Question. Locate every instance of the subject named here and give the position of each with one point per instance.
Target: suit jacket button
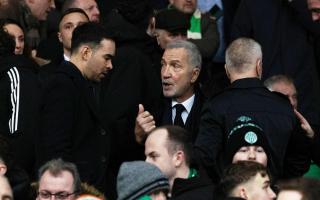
(103, 159)
(103, 132)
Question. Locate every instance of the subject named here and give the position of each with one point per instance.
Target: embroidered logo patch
(250, 137)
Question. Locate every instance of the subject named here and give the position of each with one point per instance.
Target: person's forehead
(62, 181)
(175, 53)
(74, 16)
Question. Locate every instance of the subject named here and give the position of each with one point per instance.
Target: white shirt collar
(187, 103)
(66, 58)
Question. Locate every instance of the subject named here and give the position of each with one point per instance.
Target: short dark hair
(90, 33)
(238, 173)
(7, 44)
(73, 10)
(5, 151)
(309, 188)
(57, 166)
(179, 139)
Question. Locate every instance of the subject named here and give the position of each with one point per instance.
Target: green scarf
(145, 197)
(195, 29)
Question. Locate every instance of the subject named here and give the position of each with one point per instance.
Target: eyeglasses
(58, 195)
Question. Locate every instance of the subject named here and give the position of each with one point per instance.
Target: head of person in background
(170, 25)
(245, 180)
(92, 50)
(299, 189)
(247, 142)
(15, 30)
(141, 180)
(314, 7)
(285, 85)
(59, 179)
(186, 6)
(170, 149)
(40, 8)
(69, 20)
(180, 69)
(5, 189)
(90, 7)
(243, 59)
(7, 44)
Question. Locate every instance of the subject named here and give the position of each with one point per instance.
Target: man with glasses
(59, 179)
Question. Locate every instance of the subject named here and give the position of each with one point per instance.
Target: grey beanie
(139, 178)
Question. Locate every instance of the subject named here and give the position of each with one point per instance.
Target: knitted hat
(172, 21)
(245, 133)
(139, 178)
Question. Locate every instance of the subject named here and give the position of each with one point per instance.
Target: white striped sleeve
(15, 97)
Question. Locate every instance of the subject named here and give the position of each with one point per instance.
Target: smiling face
(177, 76)
(40, 8)
(16, 32)
(314, 7)
(99, 62)
(185, 6)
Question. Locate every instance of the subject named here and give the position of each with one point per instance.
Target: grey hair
(193, 52)
(243, 53)
(269, 83)
(57, 166)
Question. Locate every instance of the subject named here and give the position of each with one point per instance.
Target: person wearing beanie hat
(171, 24)
(247, 141)
(141, 180)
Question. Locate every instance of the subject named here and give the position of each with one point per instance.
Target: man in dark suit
(181, 64)
(70, 125)
(248, 97)
(285, 43)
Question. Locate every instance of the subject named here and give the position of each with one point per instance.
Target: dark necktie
(178, 119)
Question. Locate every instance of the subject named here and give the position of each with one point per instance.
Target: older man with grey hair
(248, 97)
(181, 65)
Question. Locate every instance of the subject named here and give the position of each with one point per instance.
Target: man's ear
(3, 168)
(59, 36)
(259, 67)
(227, 71)
(195, 74)
(179, 158)
(243, 193)
(85, 52)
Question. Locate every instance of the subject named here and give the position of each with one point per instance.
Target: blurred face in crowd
(164, 37)
(314, 7)
(287, 89)
(251, 153)
(60, 186)
(67, 25)
(289, 194)
(177, 75)
(17, 33)
(40, 8)
(91, 9)
(258, 188)
(186, 6)
(156, 152)
(5, 189)
(99, 60)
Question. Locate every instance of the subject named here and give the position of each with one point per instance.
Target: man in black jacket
(70, 125)
(181, 64)
(170, 149)
(247, 96)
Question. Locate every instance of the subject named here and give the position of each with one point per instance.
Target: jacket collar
(247, 83)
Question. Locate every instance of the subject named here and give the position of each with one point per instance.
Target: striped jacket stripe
(15, 96)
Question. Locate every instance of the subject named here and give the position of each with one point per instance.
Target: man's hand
(305, 124)
(144, 124)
